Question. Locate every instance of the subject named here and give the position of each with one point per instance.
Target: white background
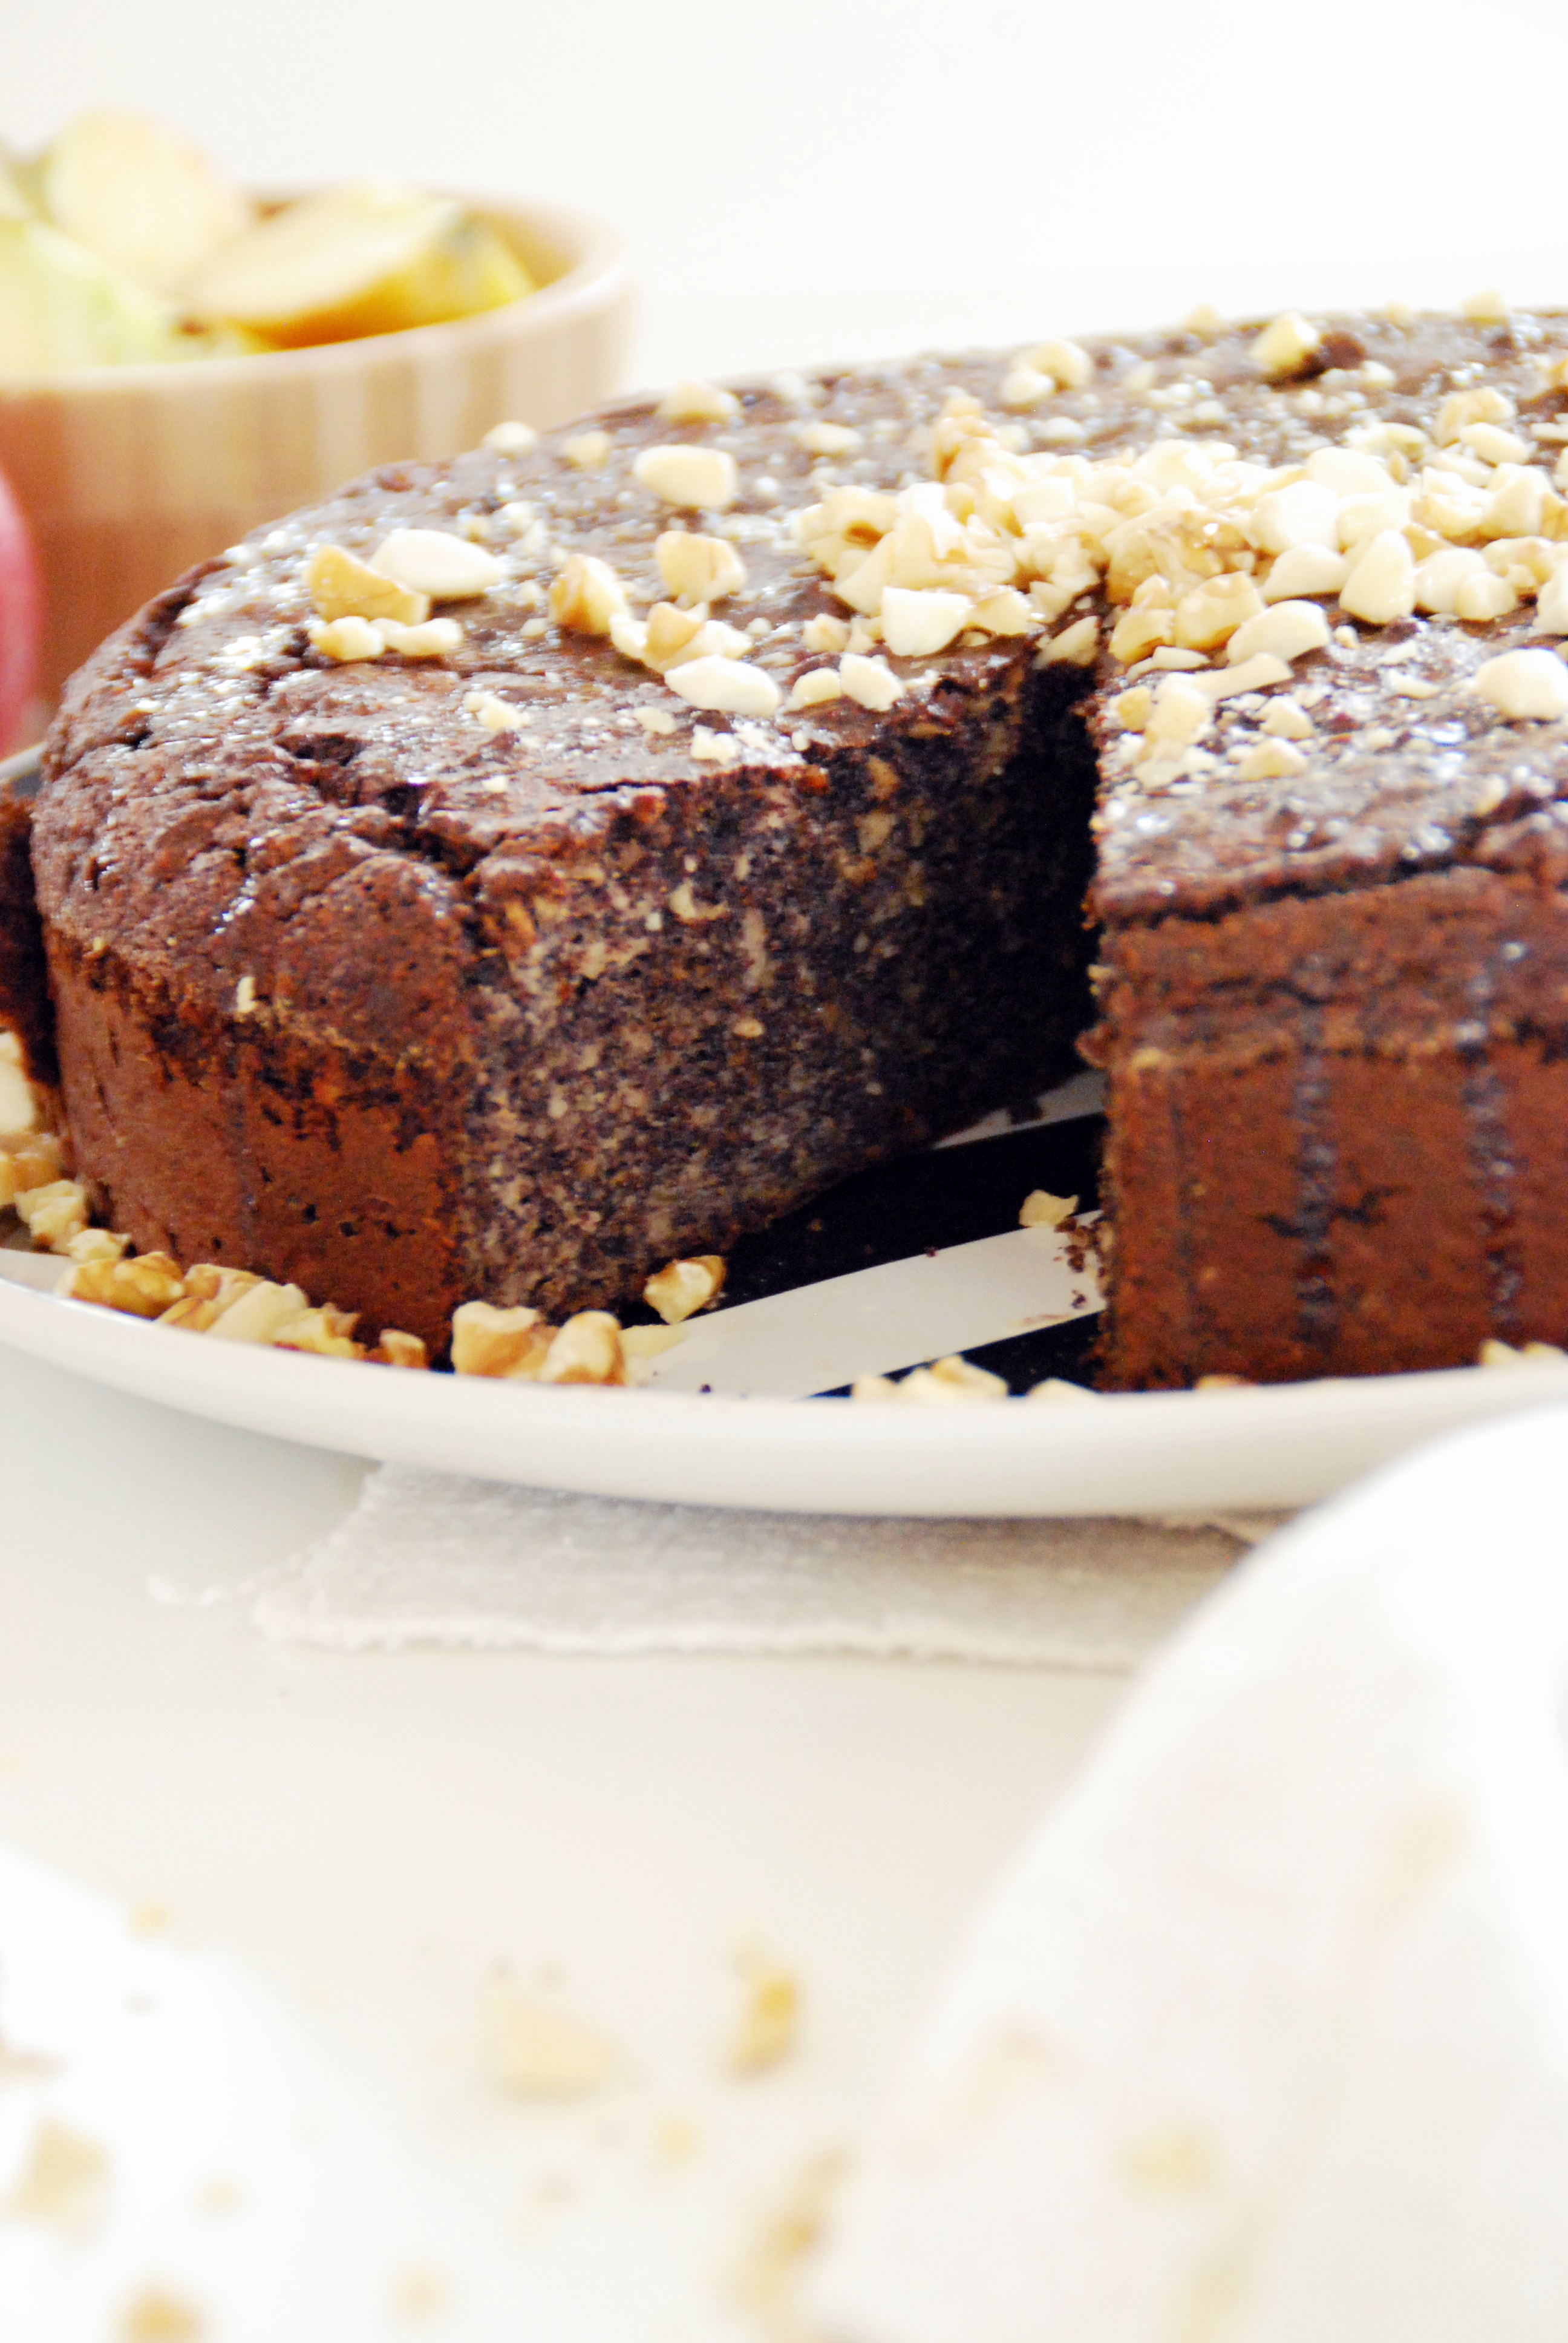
(842, 179)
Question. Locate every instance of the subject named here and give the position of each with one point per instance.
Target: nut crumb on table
(62, 2181)
(156, 2315)
(538, 2050)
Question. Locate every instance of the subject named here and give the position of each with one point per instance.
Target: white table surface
(360, 1841)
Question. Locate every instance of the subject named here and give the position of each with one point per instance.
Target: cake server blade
(877, 1321)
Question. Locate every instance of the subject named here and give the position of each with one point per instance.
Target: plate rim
(1260, 1447)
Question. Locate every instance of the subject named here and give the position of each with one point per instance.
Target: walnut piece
(703, 478)
(507, 1345)
(587, 596)
(698, 568)
(1041, 1210)
(770, 2020)
(341, 586)
(697, 402)
(681, 1288)
(587, 1350)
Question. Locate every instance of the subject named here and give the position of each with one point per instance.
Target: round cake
(512, 873)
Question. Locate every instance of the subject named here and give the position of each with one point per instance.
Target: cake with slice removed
(727, 826)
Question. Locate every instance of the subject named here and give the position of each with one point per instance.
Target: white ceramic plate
(1143, 1453)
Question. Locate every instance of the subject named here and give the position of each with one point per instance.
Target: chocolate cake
(731, 827)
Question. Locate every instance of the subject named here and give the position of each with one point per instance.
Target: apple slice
(144, 199)
(14, 199)
(60, 305)
(369, 258)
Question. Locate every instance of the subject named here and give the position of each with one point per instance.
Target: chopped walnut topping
(143, 1287)
(433, 562)
(1209, 614)
(397, 1349)
(1041, 1210)
(1055, 1392)
(869, 681)
(1067, 363)
(732, 686)
(326, 1333)
(825, 634)
(259, 1313)
(1306, 570)
(55, 1212)
(1494, 1353)
(1179, 715)
(947, 1383)
(1439, 578)
(586, 1351)
(435, 639)
(1485, 308)
(714, 748)
(1141, 630)
(915, 624)
(496, 715)
(816, 688)
(587, 596)
(511, 438)
(665, 638)
(1495, 446)
(703, 478)
(341, 586)
(346, 640)
(508, 1345)
(1286, 630)
(1254, 674)
(1287, 719)
(1273, 759)
(97, 1244)
(1024, 386)
(656, 720)
(1076, 646)
(1484, 596)
(1552, 609)
(588, 451)
(1524, 684)
(681, 1288)
(697, 402)
(1005, 612)
(1463, 407)
(1283, 349)
(827, 439)
(1382, 585)
(698, 569)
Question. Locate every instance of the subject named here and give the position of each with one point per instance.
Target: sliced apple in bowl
(62, 306)
(369, 258)
(138, 195)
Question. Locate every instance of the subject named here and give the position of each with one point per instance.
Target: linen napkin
(1266, 2038)
(434, 1558)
